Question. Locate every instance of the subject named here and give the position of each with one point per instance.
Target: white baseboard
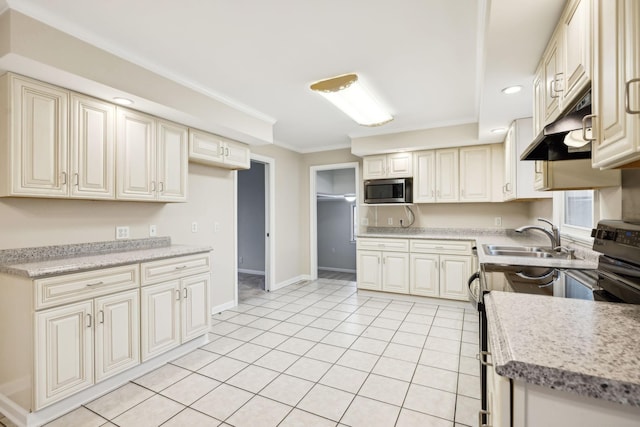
(339, 270)
(291, 281)
(247, 271)
(222, 307)
(21, 417)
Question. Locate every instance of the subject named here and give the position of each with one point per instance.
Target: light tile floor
(312, 354)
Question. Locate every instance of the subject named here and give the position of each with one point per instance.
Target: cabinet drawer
(396, 245)
(69, 288)
(441, 246)
(174, 268)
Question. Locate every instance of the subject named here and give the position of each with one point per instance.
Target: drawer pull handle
(182, 267)
(94, 284)
(88, 320)
(439, 247)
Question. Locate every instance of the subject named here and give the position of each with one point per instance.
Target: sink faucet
(553, 235)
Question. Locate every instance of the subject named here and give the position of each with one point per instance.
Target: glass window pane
(578, 208)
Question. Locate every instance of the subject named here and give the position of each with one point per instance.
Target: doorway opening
(333, 221)
(255, 228)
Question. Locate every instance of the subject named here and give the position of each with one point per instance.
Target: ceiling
(432, 63)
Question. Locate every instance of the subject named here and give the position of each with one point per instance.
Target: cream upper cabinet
(152, 161)
(576, 50)
(616, 83)
(173, 160)
(35, 140)
(424, 181)
(396, 165)
(551, 64)
(92, 173)
(447, 176)
(136, 163)
(475, 174)
(538, 100)
(520, 175)
(214, 150)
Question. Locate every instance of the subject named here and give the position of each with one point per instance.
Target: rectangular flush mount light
(348, 94)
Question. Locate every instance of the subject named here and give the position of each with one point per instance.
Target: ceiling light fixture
(348, 94)
(511, 90)
(122, 101)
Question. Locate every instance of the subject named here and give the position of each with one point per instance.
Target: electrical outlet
(153, 230)
(497, 221)
(194, 227)
(390, 221)
(122, 232)
(216, 226)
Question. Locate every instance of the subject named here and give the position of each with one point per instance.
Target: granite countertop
(46, 261)
(493, 236)
(585, 347)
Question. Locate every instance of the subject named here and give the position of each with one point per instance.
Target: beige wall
(42, 222)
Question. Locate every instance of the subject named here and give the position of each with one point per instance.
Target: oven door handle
(475, 276)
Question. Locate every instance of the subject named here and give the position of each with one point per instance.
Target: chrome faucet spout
(553, 235)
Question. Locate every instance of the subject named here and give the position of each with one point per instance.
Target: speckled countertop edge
(605, 375)
(47, 261)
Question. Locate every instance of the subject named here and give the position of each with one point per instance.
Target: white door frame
(269, 219)
(313, 209)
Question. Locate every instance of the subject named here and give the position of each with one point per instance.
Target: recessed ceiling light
(350, 96)
(122, 101)
(498, 130)
(511, 90)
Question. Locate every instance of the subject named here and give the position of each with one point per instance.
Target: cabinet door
(424, 275)
(237, 156)
(616, 62)
(136, 156)
(195, 306)
(475, 174)
(424, 181)
(369, 267)
(538, 101)
(395, 272)
(173, 162)
(40, 140)
(510, 164)
(576, 51)
(64, 352)
(400, 165)
(540, 174)
(92, 148)
(117, 333)
(159, 318)
(374, 167)
(455, 270)
(205, 148)
(553, 79)
(447, 185)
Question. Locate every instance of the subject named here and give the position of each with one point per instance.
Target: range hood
(550, 143)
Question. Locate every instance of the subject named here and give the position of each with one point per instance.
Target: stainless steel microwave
(398, 190)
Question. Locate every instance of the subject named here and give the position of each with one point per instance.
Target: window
(576, 213)
(354, 223)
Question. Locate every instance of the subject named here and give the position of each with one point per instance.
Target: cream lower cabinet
(81, 343)
(434, 268)
(440, 268)
(175, 303)
(383, 264)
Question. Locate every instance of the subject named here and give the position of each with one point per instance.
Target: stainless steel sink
(526, 251)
